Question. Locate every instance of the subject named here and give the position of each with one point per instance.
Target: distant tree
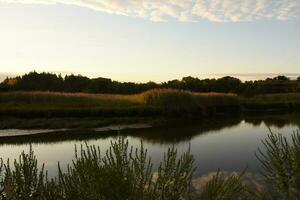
(40, 81)
(176, 84)
(149, 85)
(228, 84)
(191, 83)
(34, 81)
(281, 78)
(100, 85)
(3, 87)
(76, 83)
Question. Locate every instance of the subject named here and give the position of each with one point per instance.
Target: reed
(181, 101)
(153, 102)
(287, 102)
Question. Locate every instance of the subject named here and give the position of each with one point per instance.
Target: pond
(227, 143)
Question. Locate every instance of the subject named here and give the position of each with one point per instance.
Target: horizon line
(255, 76)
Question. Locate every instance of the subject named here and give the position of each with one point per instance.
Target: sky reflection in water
(228, 145)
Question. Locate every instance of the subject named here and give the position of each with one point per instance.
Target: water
(225, 144)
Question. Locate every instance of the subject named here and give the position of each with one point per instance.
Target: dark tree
(76, 83)
(281, 78)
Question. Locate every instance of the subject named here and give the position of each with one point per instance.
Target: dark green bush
(120, 173)
(281, 165)
(173, 101)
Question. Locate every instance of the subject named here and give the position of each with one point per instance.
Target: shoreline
(8, 133)
(113, 128)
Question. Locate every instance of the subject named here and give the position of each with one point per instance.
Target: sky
(132, 40)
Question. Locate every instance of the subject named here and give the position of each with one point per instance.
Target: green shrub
(281, 165)
(182, 102)
(173, 101)
(288, 101)
(24, 181)
(219, 188)
(120, 173)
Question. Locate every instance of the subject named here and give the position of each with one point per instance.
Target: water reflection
(173, 132)
(226, 144)
(255, 181)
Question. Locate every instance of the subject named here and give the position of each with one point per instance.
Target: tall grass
(153, 102)
(180, 101)
(173, 101)
(288, 101)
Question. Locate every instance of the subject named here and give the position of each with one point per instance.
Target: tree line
(35, 81)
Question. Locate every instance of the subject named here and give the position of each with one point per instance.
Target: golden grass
(75, 95)
(146, 103)
(274, 98)
(139, 98)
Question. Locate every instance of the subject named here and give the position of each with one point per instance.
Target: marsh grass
(287, 101)
(153, 102)
(180, 101)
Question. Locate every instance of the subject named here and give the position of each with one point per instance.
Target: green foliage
(182, 102)
(176, 97)
(34, 81)
(24, 181)
(281, 164)
(173, 101)
(52, 104)
(120, 173)
(287, 102)
(124, 173)
(153, 102)
(219, 188)
(280, 161)
(174, 177)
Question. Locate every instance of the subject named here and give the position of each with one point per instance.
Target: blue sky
(154, 40)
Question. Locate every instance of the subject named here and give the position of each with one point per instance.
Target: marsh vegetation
(45, 97)
(153, 102)
(83, 110)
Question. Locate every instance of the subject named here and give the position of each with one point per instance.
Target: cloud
(189, 10)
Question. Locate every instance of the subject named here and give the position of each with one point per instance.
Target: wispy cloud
(189, 10)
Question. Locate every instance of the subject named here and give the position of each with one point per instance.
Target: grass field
(77, 110)
(286, 101)
(151, 103)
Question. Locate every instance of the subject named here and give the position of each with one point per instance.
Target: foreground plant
(120, 173)
(219, 188)
(123, 172)
(281, 165)
(24, 180)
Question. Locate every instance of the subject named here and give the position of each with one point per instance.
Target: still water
(225, 144)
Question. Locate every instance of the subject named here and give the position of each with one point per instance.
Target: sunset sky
(151, 39)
